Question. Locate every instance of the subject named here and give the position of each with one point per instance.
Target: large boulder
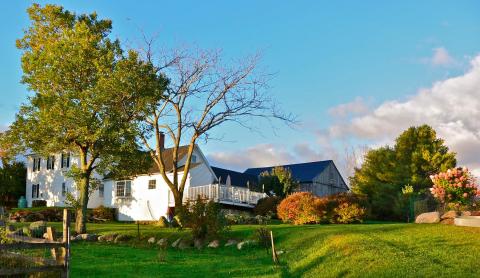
(184, 244)
(151, 240)
(107, 238)
(214, 244)
(428, 218)
(231, 242)
(162, 243)
(122, 238)
(245, 243)
(449, 215)
(88, 237)
(448, 221)
(176, 243)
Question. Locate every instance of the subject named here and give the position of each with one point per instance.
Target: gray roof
(237, 178)
(302, 172)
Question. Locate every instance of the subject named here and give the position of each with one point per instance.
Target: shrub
(329, 206)
(299, 208)
(39, 203)
(105, 213)
(347, 213)
(267, 205)
(205, 219)
(4, 239)
(51, 214)
(262, 236)
(304, 208)
(456, 187)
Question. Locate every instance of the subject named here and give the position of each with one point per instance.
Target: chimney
(162, 141)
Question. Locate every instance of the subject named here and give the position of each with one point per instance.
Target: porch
(224, 194)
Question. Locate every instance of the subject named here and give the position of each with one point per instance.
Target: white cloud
(356, 107)
(256, 156)
(451, 106)
(440, 57)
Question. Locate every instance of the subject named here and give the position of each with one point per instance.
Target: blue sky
(325, 54)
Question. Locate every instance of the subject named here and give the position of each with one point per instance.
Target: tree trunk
(81, 219)
(178, 196)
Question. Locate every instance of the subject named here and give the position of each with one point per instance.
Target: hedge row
(55, 214)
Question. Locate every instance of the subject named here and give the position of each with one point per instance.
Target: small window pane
(152, 184)
(101, 190)
(128, 189)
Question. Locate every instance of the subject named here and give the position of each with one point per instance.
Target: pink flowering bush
(456, 186)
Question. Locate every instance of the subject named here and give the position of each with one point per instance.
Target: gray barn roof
(237, 178)
(302, 172)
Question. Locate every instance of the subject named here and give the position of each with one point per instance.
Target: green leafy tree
(85, 91)
(12, 181)
(417, 154)
(278, 182)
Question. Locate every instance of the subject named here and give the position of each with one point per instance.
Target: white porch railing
(225, 194)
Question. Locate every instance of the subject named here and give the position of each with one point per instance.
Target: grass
(366, 250)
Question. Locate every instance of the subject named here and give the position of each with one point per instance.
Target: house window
(152, 184)
(36, 164)
(65, 160)
(64, 189)
(101, 190)
(51, 162)
(193, 159)
(124, 188)
(35, 191)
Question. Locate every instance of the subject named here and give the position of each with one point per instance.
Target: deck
(229, 195)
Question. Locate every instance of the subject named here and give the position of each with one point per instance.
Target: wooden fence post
(66, 240)
(274, 252)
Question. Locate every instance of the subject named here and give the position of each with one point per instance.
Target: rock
(231, 242)
(151, 240)
(244, 243)
(448, 221)
(198, 243)
(88, 237)
(163, 242)
(107, 237)
(176, 242)
(449, 215)
(280, 252)
(428, 218)
(466, 213)
(122, 238)
(214, 244)
(45, 236)
(184, 244)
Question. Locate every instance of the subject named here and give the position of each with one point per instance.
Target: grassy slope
(368, 250)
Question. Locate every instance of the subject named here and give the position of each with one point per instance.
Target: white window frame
(152, 184)
(101, 190)
(51, 162)
(65, 163)
(36, 191)
(123, 189)
(64, 189)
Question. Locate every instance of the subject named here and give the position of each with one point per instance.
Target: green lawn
(367, 250)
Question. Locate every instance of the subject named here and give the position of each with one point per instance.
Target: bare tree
(354, 157)
(202, 93)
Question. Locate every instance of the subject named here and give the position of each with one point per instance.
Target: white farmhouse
(145, 196)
